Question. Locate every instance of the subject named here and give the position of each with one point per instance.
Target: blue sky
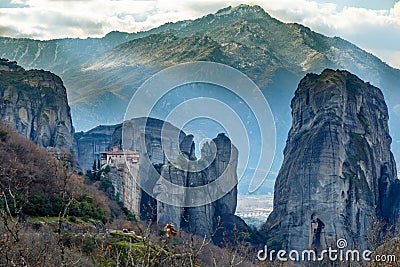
(374, 25)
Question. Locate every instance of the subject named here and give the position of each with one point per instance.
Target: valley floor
(254, 209)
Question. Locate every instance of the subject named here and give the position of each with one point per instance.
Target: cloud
(369, 27)
(329, 17)
(395, 13)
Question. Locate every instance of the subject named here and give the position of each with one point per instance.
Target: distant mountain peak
(250, 8)
(224, 11)
(243, 10)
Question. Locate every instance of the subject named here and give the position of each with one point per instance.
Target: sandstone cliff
(338, 172)
(35, 104)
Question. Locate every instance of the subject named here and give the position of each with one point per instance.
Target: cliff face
(144, 135)
(125, 182)
(338, 171)
(35, 104)
(204, 219)
(90, 144)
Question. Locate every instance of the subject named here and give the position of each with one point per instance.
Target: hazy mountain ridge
(58, 54)
(245, 37)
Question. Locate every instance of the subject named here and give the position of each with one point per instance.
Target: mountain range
(101, 74)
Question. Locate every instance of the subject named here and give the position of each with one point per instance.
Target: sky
(373, 25)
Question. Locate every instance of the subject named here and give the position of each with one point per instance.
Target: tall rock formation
(220, 159)
(338, 174)
(35, 103)
(151, 138)
(159, 144)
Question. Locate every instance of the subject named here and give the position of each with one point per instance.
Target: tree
(94, 166)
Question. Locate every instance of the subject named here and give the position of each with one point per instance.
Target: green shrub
(40, 206)
(3, 136)
(66, 238)
(88, 246)
(107, 169)
(72, 219)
